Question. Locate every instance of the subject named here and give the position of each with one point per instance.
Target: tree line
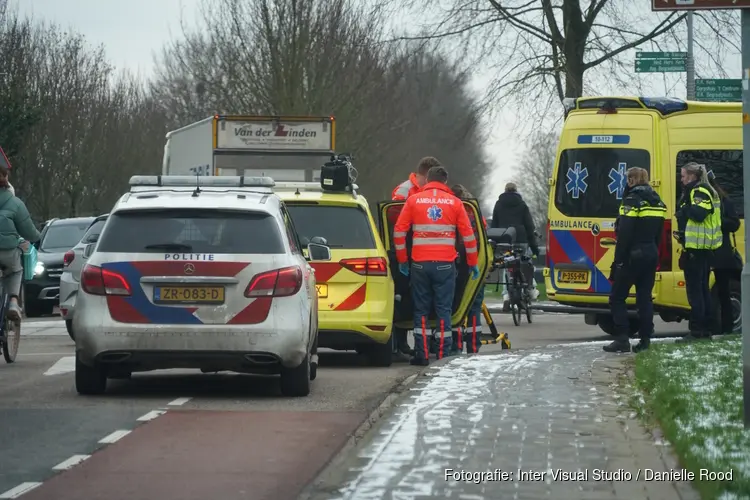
(76, 128)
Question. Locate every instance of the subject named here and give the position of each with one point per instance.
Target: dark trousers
(433, 285)
(642, 274)
(697, 270)
(723, 279)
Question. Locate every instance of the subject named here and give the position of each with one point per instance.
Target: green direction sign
(719, 90)
(660, 62)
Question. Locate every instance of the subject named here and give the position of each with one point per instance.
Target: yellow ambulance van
(601, 138)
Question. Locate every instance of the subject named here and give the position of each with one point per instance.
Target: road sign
(699, 4)
(727, 90)
(660, 62)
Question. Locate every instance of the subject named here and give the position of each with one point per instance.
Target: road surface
(181, 435)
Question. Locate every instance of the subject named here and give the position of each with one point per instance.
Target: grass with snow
(694, 393)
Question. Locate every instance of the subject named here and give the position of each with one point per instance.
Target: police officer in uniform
(434, 215)
(639, 231)
(699, 231)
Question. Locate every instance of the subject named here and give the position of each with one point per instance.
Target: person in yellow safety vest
(699, 231)
(639, 232)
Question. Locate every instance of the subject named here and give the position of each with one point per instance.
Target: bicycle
(512, 258)
(10, 331)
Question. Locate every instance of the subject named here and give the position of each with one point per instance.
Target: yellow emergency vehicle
(601, 138)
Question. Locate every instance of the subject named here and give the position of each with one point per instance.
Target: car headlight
(39, 269)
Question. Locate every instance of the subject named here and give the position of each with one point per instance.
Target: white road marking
(151, 415)
(43, 324)
(71, 462)
(65, 364)
(179, 402)
(24, 354)
(114, 437)
(20, 490)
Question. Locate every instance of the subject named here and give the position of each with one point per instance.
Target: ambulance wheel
(735, 294)
(380, 354)
(607, 325)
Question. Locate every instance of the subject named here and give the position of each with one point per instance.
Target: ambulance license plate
(573, 277)
(322, 290)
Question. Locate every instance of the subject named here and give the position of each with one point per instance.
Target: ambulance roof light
(205, 181)
(664, 105)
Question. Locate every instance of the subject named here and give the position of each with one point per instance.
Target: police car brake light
(664, 105)
(200, 181)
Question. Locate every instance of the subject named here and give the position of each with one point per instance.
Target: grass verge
(493, 292)
(694, 393)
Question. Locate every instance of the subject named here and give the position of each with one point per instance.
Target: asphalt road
(177, 434)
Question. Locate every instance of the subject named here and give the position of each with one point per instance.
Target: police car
(201, 273)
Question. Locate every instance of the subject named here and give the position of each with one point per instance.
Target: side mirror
(319, 240)
(316, 251)
(88, 250)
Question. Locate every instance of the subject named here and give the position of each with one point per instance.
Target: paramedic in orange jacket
(414, 183)
(434, 215)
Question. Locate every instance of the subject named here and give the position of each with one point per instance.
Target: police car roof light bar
(189, 181)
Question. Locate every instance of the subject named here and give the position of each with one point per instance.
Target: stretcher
(493, 337)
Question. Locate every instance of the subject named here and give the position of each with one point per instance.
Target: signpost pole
(746, 185)
(690, 59)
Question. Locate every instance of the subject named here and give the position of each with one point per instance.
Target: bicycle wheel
(515, 311)
(528, 311)
(12, 339)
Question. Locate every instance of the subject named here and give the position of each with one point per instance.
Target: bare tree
(535, 168)
(540, 50)
(393, 103)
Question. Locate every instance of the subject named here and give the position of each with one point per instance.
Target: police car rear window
(590, 181)
(342, 227)
(214, 231)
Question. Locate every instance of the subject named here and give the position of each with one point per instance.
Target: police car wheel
(295, 382)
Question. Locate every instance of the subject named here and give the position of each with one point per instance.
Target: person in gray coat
(15, 223)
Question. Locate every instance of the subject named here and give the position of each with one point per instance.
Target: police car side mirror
(88, 250)
(317, 251)
(319, 240)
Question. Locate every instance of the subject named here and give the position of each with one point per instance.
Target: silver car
(211, 278)
(73, 262)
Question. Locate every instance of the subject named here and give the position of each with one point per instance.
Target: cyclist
(511, 211)
(15, 223)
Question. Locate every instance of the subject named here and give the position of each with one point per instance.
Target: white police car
(210, 277)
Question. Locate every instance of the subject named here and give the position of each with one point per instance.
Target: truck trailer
(291, 147)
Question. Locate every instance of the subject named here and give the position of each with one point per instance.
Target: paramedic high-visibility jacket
(434, 214)
(699, 214)
(407, 188)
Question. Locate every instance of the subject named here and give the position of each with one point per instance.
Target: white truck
(293, 147)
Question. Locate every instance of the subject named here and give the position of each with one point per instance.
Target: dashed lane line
(20, 490)
(71, 462)
(178, 402)
(151, 415)
(114, 437)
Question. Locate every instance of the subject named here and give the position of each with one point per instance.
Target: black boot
(691, 337)
(619, 345)
(642, 345)
(419, 362)
(402, 343)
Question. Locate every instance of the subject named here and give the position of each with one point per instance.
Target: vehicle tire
(12, 339)
(314, 365)
(34, 309)
(607, 325)
(69, 327)
(90, 380)
(735, 292)
(380, 354)
(516, 313)
(295, 382)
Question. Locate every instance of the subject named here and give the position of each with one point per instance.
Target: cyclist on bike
(15, 223)
(511, 211)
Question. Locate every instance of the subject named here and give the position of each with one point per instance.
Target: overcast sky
(132, 30)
